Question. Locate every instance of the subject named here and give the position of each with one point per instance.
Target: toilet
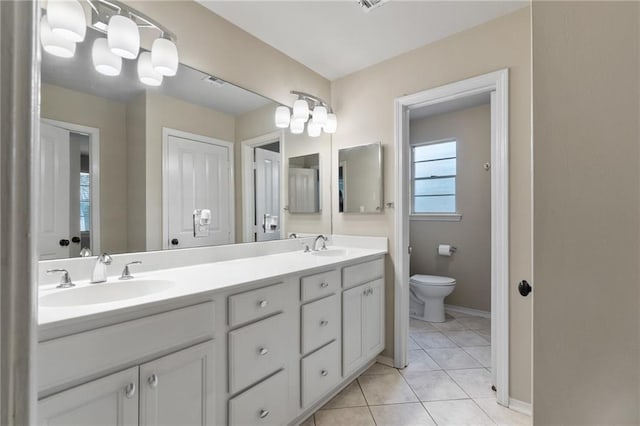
(427, 296)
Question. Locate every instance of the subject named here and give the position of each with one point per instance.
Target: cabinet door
(178, 389)
(353, 354)
(111, 400)
(374, 318)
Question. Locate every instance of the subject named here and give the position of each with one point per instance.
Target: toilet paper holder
(453, 249)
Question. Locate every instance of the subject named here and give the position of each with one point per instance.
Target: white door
(302, 190)
(109, 401)
(353, 355)
(267, 187)
(178, 389)
(53, 228)
(197, 177)
(374, 318)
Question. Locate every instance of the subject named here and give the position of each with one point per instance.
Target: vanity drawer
(255, 304)
(320, 320)
(255, 351)
(319, 285)
(320, 373)
(362, 273)
(263, 404)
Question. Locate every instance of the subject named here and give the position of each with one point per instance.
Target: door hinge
(254, 165)
(409, 249)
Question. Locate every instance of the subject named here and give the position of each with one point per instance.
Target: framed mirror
(360, 179)
(304, 184)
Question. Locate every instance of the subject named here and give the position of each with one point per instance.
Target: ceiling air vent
(215, 81)
(368, 5)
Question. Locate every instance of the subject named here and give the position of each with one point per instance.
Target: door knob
(75, 240)
(63, 242)
(175, 242)
(524, 288)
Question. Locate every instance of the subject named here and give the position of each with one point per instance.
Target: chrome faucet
(65, 279)
(324, 242)
(126, 275)
(99, 274)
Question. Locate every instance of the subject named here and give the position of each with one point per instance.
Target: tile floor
(447, 382)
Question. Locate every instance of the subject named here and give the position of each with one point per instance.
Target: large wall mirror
(360, 179)
(126, 167)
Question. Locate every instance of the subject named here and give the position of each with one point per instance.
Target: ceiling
(336, 37)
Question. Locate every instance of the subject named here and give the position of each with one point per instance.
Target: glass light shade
(146, 73)
(104, 60)
(283, 117)
(123, 36)
(320, 115)
(53, 43)
(332, 124)
(296, 127)
(313, 129)
(301, 110)
(67, 20)
(164, 57)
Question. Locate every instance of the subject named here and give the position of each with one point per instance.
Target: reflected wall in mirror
(360, 179)
(304, 184)
(128, 167)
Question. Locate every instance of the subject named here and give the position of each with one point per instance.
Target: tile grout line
(418, 398)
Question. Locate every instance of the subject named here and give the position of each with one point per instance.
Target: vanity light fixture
(164, 57)
(66, 19)
(54, 43)
(123, 36)
(146, 72)
(305, 106)
(104, 60)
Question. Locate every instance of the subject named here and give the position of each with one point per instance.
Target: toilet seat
(434, 280)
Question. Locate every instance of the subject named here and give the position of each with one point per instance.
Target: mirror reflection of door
(65, 222)
(304, 184)
(267, 192)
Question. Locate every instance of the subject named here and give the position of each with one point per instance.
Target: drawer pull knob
(324, 323)
(130, 390)
(153, 380)
(324, 373)
(264, 413)
(263, 351)
(324, 285)
(263, 303)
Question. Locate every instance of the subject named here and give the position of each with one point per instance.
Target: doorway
(494, 85)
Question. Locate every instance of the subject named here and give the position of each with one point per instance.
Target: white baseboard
(385, 360)
(468, 311)
(521, 407)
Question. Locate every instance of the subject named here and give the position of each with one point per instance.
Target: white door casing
(197, 174)
(267, 195)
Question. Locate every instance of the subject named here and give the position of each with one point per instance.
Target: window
(433, 177)
(85, 202)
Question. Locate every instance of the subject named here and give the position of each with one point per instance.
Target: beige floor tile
(420, 361)
(378, 368)
(476, 382)
(412, 345)
(386, 389)
(456, 314)
(418, 326)
(475, 323)
(482, 354)
(351, 396)
(449, 325)
(401, 415)
(458, 413)
(434, 340)
(356, 416)
(434, 386)
(308, 422)
(502, 415)
(452, 358)
(467, 338)
(484, 332)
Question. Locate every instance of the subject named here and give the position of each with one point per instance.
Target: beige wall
(471, 264)
(110, 118)
(586, 255)
(364, 104)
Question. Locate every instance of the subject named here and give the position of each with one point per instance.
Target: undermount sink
(332, 252)
(104, 293)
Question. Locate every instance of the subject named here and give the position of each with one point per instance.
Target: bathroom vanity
(255, 340)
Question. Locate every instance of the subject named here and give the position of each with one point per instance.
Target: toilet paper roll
(445, 250)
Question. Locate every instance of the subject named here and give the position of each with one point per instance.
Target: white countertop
(196, 280)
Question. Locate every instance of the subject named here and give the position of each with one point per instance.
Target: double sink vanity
(252, 339)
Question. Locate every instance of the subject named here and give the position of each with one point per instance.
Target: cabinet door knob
(153, 380)
(324, 373)
(264, 413)
(324, 285)
(263, 351)
(130, 390)
(263, 303)
(324, 323)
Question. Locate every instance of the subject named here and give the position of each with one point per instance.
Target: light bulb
(301, 110)
(66, 19)
(313, 129)
(332, 124)
(123, 36)
(146, 73)
(283, 117)
(164, 57)
(296, 127)
(53, 43)
(104, 60)
(320, 115)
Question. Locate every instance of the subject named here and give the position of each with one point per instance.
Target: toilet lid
(432, 280)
